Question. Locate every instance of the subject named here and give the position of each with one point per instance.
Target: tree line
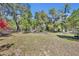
(23, 20)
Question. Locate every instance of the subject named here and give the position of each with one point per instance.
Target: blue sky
(46, 6)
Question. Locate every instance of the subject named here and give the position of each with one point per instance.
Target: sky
(36, 7)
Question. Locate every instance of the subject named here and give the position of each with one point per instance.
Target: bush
(50, 27)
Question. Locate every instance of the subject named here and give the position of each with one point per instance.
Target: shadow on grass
(73, 38)
(1, 39)
(5, 35)
(5, 47)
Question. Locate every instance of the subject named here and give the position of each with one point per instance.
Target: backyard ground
(38, 44)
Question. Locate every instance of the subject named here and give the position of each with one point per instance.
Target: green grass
(39, 44)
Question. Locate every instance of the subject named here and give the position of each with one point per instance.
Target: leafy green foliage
(24, 23)
(41, 21)
(73, 21)
(12, 24)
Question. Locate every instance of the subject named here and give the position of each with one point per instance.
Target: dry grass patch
(39, 44)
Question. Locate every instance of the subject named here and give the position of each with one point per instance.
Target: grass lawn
(38, 44)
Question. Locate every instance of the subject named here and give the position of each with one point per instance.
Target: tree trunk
(17, 25)
(65, 28)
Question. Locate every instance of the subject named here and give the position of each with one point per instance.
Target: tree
(53, 13)
(14, 8)
(55, 17)
(29, 16)
(11, 9)
(73, 21)
(64, 15)
(42, 20)
(25, 21)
